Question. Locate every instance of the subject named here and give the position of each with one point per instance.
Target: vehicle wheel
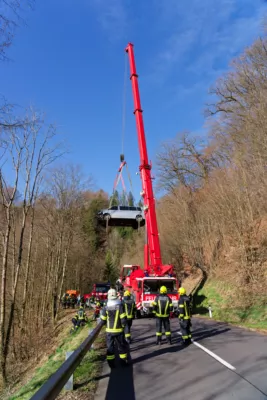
(106, 217)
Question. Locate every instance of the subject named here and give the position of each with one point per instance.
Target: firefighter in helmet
(162, 306)
(113, 314)
(97, 309)
(184, 315)
(79, 319)
(130, 308)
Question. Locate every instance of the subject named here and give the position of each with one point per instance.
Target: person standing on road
(130, 308)
(113, 314)
(184, 315)
(162, 306)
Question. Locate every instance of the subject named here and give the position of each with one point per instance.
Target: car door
(113, 211)
(123, 212)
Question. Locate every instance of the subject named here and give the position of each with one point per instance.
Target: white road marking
(225, 363)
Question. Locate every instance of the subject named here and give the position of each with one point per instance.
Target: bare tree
(30, 152)
(10, 18)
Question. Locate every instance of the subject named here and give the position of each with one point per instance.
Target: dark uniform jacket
(113, 314)
(184, 308)
(81, 315)
(162, 306)
(129, 307)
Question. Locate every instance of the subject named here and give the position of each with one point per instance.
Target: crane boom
(145, 172)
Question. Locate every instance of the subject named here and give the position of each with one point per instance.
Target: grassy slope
(84, 374)
(218, 295)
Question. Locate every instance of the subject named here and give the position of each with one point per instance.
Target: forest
(213, 209)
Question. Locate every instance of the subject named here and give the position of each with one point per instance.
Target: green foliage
(111, 271)
(125, 232)
(131, 199)
(221, 297)
(140, 203)
(115, 199)
(91, 227)
(85, 373)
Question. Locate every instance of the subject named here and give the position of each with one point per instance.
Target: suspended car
(122, 216)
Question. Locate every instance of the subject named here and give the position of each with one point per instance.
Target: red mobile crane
(145, 283)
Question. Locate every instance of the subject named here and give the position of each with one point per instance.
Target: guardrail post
(98, 320)
(69, 384)
(210, 311)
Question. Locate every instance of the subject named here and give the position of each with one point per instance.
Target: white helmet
(112, 294)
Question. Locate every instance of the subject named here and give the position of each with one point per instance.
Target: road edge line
(213, 355)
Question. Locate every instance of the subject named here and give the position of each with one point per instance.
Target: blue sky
(69, 62)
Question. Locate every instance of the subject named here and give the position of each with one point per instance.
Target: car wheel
(106, 217)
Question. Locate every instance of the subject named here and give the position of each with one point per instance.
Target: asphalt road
(174, 372)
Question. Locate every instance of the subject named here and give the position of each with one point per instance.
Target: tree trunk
(26, 281)
(3, 354)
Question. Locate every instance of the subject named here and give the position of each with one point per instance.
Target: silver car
(122, 215)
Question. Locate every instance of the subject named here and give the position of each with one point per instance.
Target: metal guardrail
(56, 382)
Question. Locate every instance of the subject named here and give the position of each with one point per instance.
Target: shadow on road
(121, 384)
(160, 350)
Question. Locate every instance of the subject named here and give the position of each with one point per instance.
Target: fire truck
(145, 283)
(100, 290)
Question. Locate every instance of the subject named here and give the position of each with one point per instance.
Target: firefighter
(64, 300)
(162, 306)
(79, 319)
(97, 309)
(73, 300)
(114, 316)
(184, 315)
(130, 308)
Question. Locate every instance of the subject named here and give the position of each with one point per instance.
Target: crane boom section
(145, 172)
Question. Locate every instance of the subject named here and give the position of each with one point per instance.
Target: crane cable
(124, 118)
(124, 98)
(124, 105)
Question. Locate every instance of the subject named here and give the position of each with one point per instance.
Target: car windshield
(101, 289)
(153, 286)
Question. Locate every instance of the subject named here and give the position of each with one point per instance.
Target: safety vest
(129, 306)
(184, 307)
(114, 316)
(81, 314)
(162, 306)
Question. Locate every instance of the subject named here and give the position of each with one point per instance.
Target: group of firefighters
(118, 314)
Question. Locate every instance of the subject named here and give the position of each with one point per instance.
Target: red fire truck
(145, 283)
(100, 290)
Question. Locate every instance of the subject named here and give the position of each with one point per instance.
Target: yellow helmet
(163, 290)
(182, 291)
(127, 293)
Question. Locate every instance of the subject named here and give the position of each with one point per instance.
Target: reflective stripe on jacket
(114, 316)
(162, 305)
(129, 306)
(184, 307)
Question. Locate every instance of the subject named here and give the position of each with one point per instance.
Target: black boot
(158, 340)
(169, 339)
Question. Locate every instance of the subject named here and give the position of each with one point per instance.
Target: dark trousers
(118, 340)
(185, 326)
(165, 322)
(77, 322)
(127, 329)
